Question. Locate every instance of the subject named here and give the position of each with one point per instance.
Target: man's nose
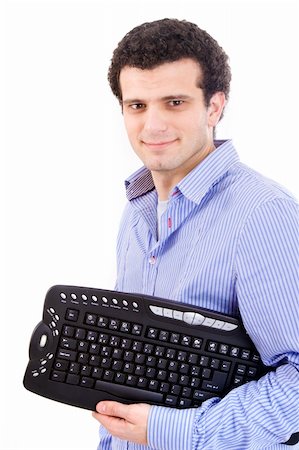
(155, 120)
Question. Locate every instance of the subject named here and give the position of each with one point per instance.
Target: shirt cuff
(163, 432)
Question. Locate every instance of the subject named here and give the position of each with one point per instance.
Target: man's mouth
(158, 144)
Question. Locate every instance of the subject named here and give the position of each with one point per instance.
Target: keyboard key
(206, 373)
(103, 322)
(152, 333)
(184, 402)
(234, 352)
(68, 331)
(126, 344)
(72, 379)
(186, 392)
(87, 382)
(225, 366)
(182, 356)
(201, 395)
(131, 380)
(159, 351)
(215, 363)
(163, 336)
(58, 376)
(67, 355)
(212, 346)
(114, 324)
(252, 371)
(129, 393)
(72, 315)
(97, 372)
(80, 333)
(114, 341)
(137, 329)
(175, 389)
(148, 349)
(171, 400)
(195, 382)
(61, 365)
(245, 354)
(186, 340)
(223, 349)
(174, 338)
(204, 361)
(195, 371)
(125, 327)
(153, 385)
(83, 358)
(139, 358)
(120, 378)
(184, 368)
(137, 346)
(241, 369)
(193, 358)
(103, 338)
(197, 343)
(74, 368)
(142, 382)
(90, 319)
(92, 336)
(108, 375)
(170, 353)
(164, 387)
(217, 383)
(85, 370)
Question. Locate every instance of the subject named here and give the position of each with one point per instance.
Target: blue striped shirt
(228, 242)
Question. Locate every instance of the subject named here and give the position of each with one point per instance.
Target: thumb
(110, 408)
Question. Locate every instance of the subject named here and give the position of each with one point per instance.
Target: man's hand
(127, 422)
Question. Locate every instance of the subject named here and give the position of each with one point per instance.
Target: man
(200, 227)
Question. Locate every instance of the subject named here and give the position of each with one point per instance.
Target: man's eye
(176, 102)
(136, 106)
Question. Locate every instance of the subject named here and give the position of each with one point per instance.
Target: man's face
(168, 124)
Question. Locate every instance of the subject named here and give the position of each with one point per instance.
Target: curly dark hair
(154, 43)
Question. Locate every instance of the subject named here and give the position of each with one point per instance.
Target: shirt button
(152, 260)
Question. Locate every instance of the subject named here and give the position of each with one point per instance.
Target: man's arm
(262, 412)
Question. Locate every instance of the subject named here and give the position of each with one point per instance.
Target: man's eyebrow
(132, 101)
(165, 98)
(176, 97)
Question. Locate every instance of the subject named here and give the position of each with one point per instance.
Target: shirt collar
(195, 185)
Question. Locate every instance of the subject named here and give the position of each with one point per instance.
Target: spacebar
(129, 393)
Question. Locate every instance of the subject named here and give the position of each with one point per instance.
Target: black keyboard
(95, 344)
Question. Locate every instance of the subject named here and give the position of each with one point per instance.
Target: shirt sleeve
(105, 439)
(262, 413)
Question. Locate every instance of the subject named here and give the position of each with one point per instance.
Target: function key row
(102, 322)
(174, 338)
(233, 351)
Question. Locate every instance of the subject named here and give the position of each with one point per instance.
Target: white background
(66, 156)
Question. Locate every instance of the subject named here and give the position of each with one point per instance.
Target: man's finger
(114, 409)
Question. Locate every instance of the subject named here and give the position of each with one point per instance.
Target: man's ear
(215, 108)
